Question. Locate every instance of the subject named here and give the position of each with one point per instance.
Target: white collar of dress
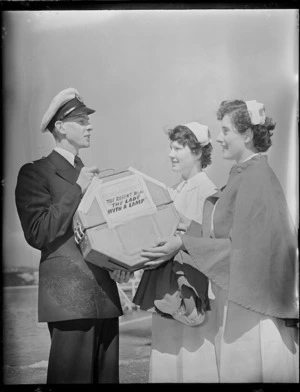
(191, 183)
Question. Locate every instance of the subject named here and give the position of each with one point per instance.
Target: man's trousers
(84, 351)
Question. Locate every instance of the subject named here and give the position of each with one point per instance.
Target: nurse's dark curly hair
(240, 119)
(184, 136)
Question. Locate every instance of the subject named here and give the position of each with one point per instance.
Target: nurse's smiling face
(232, 142)
(182, 158)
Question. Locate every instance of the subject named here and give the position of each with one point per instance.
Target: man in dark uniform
(78, 300)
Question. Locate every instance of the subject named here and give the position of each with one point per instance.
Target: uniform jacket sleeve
(43, 220)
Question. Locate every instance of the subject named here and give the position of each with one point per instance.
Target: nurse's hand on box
(161, 252)
(121, 276)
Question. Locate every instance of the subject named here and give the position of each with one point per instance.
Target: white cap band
(200, 131)
(256, 112)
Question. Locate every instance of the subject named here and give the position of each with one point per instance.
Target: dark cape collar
(240, 167)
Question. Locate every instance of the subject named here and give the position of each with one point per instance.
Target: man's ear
(59, 125)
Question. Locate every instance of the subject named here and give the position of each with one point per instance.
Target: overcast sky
(143, 72)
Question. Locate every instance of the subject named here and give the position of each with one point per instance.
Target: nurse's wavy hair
(240, 119)
(185, 137)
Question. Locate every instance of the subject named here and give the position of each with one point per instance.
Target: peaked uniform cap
(63, 104)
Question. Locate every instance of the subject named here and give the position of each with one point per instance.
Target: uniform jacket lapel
(63, 168)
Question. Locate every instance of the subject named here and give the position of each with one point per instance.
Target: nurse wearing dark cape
(247, 247)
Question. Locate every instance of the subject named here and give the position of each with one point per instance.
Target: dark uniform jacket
(47, 197)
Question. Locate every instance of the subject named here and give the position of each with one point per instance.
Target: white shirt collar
(66, 154)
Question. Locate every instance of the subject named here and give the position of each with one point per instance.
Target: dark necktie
(78, 164)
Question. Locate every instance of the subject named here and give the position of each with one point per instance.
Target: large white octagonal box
(119, 215)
